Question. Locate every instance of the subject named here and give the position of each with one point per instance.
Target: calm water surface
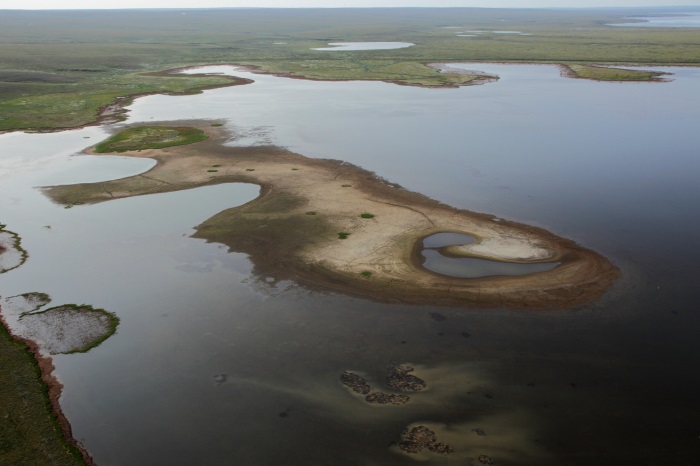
(212, 365)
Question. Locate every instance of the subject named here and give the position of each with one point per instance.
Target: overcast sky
(55, 4)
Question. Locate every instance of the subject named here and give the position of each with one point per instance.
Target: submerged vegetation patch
(65, 329)
(12, 255)
(150, 137)
(69, 328)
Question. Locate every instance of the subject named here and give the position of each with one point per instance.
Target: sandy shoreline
(292, 230)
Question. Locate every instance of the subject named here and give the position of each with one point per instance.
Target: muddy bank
(330, 225)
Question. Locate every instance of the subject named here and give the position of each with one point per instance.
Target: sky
(109, 4)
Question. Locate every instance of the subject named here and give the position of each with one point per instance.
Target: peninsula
(330, 225)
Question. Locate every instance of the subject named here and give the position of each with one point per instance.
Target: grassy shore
(30, 432)
(58, 69)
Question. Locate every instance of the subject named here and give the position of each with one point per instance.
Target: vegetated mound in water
(150, 137)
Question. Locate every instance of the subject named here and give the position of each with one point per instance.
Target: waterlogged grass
(150, 137)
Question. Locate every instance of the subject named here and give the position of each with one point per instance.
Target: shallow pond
(213, 364)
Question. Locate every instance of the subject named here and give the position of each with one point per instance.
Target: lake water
(682, 20)
(212, 365)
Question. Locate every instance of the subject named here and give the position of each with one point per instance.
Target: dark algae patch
(356, 383)
(400, 378)
(416, 439)
(150, 137)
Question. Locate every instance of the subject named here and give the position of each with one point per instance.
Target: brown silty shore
(291, 231)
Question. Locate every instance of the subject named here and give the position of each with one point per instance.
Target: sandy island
(292, 231)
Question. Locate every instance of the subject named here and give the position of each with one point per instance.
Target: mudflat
(330, 225)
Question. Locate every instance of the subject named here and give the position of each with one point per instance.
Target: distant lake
(348, 46)
(682, 20)
(212, 364)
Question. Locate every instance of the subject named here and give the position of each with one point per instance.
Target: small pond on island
(212, 364)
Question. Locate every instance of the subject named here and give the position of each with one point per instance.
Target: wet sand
(306, 226)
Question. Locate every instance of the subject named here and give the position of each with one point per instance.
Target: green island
(150, 137)
(78, 68)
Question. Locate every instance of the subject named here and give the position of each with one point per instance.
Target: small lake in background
(350, 46)
(682, 20)
(214, 365)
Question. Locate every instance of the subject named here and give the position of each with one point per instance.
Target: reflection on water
(213, 365)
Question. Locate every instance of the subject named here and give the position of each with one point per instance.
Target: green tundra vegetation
(58, 68)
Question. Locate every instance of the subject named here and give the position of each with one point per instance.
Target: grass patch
(294, 169)
(216, 165)
(366, 273)
(250, 169)
(212, 171)
(216, 125)
(150, 137)
(366, 215)
(343, 235)
(311, 212)
(346, 186)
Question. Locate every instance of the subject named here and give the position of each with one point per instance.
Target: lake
(682, 20)
(350, 46)
(214, 365)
